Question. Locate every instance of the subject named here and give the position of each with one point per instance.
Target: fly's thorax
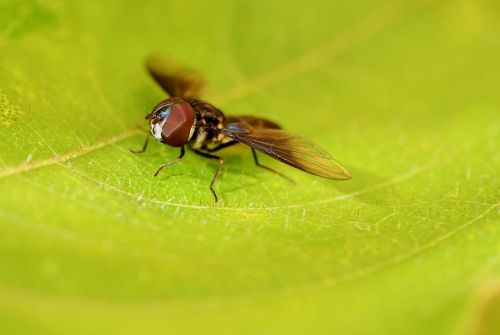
(198, 139)
(209, 122)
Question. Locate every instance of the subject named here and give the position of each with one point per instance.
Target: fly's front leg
(144, 147)
(181, 154)
(270, 169)
(217, 173)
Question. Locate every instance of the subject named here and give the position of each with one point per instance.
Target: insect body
(185, 120)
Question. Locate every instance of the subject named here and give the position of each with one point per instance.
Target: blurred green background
(404, 93)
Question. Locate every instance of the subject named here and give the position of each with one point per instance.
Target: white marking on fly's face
(157, 128)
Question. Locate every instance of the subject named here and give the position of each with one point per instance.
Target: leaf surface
(403, 93)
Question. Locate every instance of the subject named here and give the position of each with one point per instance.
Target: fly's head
(172, 122)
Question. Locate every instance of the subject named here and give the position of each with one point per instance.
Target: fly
(185, 120)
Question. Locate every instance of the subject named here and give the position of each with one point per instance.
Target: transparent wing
(175, 79)
(290, 149)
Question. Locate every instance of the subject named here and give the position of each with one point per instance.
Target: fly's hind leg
(217, 173)
(220, 146)
(270, 169)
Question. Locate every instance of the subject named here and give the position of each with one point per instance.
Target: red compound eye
(171, 121)
(178, 125)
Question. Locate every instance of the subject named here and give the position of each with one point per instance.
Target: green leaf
(404, 93)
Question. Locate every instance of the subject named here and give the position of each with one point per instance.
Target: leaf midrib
(340, 279)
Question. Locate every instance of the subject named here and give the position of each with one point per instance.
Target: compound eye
(163, 113)
(179, 123)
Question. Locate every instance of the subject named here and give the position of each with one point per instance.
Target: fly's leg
(268, 168)
(144, 147)
(181, 154)
(217, 173)
(220, 146)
